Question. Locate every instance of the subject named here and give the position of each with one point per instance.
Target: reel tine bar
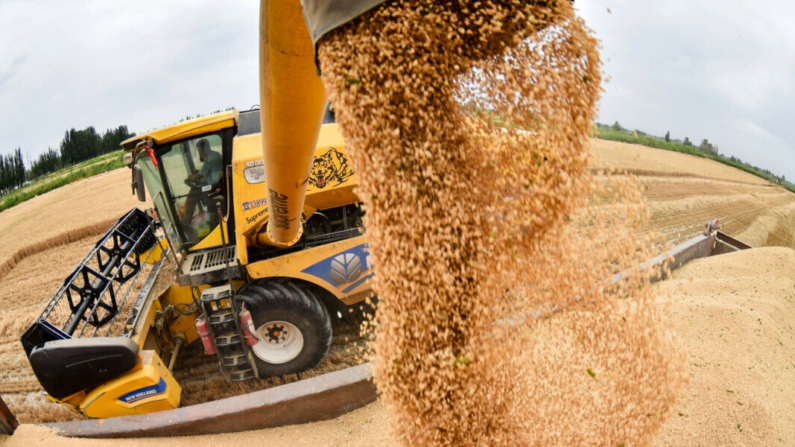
(88, 297)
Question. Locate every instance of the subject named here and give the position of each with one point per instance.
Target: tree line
(12, 171)
(76, 146)
(705, 147)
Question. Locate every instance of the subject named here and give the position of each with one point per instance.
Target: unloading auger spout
(293, 101)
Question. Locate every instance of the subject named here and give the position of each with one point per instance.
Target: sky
(721, 70)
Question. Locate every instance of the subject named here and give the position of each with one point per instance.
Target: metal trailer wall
(316, 399)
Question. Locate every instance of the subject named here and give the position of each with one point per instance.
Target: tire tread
(261, 296)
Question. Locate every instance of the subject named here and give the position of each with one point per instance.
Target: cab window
(194, 170)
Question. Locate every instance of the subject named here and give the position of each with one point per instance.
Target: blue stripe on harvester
(322, 269)
(357, 283)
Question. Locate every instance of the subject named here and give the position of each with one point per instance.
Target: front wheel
(291, 324)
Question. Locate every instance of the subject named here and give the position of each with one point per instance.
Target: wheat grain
(497, 323)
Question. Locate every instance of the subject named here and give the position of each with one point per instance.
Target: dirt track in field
(646, 159)
(749, 212)
(682, 192)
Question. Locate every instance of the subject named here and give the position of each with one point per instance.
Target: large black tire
(286, 301)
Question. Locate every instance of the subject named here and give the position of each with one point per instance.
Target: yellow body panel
(316, 265)
(149, 387)
(331, 183)
(72, 402)
(184, 325)
(185, 129)
(147, 317)
(155, 253)
(214, 239)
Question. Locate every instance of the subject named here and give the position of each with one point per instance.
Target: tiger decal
(330, 168)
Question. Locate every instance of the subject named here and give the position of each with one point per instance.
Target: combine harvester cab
(83, 354)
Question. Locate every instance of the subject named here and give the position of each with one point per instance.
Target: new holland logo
(145, 393)
(346, 268)
(347, 271)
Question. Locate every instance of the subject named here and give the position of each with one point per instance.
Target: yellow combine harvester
(258, 212)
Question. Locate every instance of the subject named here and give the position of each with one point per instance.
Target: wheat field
(43, 239)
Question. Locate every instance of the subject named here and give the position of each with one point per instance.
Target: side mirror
(128, 159)
(138, 183)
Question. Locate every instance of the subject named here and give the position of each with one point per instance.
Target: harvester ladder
(234, 357)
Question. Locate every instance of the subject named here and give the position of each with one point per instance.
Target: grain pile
(734, 313)
(497, 324)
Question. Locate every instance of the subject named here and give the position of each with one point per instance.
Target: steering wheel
(194, 183)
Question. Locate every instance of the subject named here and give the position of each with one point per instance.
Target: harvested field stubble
(53, 242)
(496, 323)
(633, 157)
(95, 200)
(24, 291)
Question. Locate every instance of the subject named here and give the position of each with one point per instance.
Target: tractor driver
(209, 174)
